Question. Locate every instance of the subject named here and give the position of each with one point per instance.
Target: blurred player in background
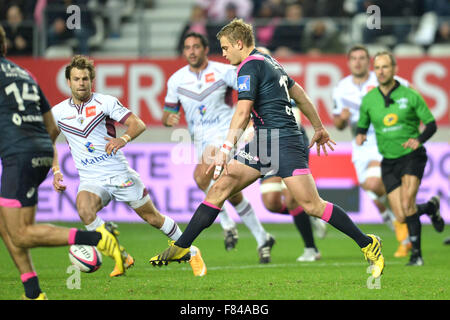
(203, 88)
(87, 121)
(396, 111)
(28, 133)
(265, 90)
(366, 159)
(278, 199)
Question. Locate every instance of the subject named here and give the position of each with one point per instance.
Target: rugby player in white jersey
(366, 159)
(87, 121)
(203, 88)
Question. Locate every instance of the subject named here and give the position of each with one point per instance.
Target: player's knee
(86, 213)
(272, 201)
(374, 185)
(20, 238)
(220, 191)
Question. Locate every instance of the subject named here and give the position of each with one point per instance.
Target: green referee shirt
(395, 117)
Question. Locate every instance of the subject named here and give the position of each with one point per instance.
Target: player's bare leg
(23, 262)
(304, 190)
(204, 182)
(239, 176)
(375, 189)
(277, 198)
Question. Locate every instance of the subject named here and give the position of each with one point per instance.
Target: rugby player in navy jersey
(27, 131)
(264, 92)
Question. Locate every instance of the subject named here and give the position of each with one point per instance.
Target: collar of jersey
(387, 98)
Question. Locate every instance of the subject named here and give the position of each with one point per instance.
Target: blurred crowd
(289, 27)
(285, 27)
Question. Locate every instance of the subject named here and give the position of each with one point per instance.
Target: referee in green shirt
(396, 112)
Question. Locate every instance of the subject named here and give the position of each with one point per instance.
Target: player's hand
(219, 164)
(57, 182)
(360, 138)
(345, 114)
(322, 139)
(114, 144)
(173, 119)
(411, 143)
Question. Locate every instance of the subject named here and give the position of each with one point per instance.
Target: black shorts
(22, 174)
(273, 156)
(392, 170)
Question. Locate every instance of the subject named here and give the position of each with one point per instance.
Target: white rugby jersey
(348, 94)
(205, 98)
(85, 127)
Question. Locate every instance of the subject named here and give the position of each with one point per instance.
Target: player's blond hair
(236, 30)
(81, 62)
(386, 53)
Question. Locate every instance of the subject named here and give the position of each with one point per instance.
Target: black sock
(337, 217)
(32, 289)
(203, 217)
(415, 230)
(90, 238)
(428, 207)
(303, 223)
(284, 210)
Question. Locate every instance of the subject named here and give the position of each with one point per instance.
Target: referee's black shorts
(392, 170)
(22, 175)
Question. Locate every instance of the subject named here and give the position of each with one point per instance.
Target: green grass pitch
(237, 275)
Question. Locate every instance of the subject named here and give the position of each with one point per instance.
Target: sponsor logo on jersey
(248, 156)
(202, 110)
(90, 146)
(90, 111)
(243, 83)
(127, 183)
(390, 119)
(96, 160)
(402, 103)
(210, 77)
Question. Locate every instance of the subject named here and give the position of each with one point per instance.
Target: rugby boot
(41, 296)
(109, 246)
(265, 250)
(231, 238)
(173, 253)
(373, 255)
(436, 218)
(197, 264)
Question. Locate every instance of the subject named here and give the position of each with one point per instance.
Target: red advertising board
(140, 84)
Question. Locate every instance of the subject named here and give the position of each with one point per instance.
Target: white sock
(248, 216)
(170, 228)
(224, 218)
(95, 224)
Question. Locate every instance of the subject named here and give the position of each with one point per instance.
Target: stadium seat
(374, 48)
(439, 50)
(408, 50)
(60, 51)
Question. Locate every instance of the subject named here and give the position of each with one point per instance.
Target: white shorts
(361, 157)
(125, 187)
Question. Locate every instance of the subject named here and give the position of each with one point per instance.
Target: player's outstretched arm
(135, 126)
(321, 137)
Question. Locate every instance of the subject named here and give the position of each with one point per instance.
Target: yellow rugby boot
(173, 253)
(41, 296)
(109, 245)
(373, 255)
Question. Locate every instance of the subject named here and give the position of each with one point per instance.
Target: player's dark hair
(358, 47)
(386, 53)
(237, 29)
(81, 62)
(2, 42)
(197, 35)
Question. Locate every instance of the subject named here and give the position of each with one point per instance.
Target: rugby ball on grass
(86, 258)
